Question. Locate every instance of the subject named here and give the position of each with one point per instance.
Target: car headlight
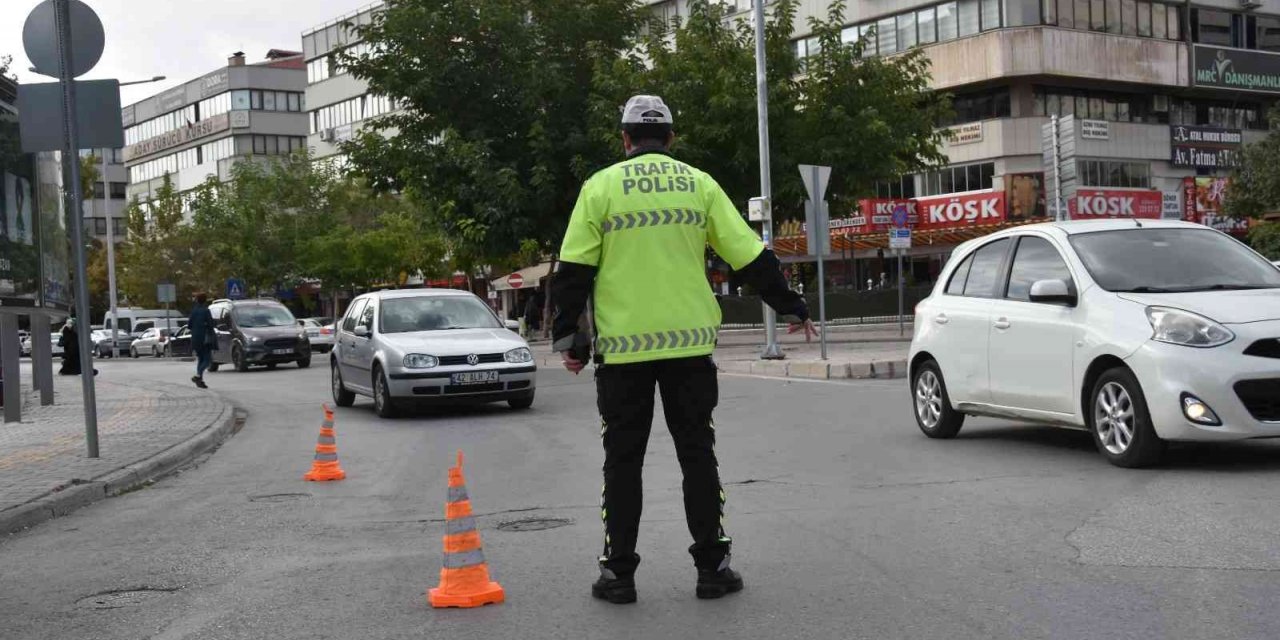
(519, 355)
(254, 338)
(1176, 326)
(420, 361)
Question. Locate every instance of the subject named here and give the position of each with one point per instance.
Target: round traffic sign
(40, 38)
(515, 280)
(900, 216)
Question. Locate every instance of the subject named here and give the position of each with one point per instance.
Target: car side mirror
(1053, 292)
(361, 331)
(513, 325)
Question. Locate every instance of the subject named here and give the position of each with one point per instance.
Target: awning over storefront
(526, 278)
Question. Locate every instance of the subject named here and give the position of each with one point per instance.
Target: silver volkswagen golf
(428, 346)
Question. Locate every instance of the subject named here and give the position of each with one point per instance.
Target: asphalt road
(848, 522)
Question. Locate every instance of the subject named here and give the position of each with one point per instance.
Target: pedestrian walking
(203, 338)
(635, 255)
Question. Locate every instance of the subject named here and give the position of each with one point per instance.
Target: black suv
(257, 332)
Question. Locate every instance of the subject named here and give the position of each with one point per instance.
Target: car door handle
(941, 318)
(1002, 323)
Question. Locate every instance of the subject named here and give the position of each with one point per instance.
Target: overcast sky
(180, 39)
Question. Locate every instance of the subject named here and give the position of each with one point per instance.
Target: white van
(126, 318)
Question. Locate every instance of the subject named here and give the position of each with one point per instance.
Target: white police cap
(646, 110)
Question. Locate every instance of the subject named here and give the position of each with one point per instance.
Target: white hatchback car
(428, 346)
(1139, 331)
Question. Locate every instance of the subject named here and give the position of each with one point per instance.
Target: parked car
(102, 343)
(150, 343)
(319, 333)
(428, 345)
(179, 345)
(257, 332)
(1141, 332)
(142, 325)
(24, 343)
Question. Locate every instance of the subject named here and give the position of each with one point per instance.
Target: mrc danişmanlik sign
(1240, 69)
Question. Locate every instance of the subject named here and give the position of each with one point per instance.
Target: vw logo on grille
(473, 359)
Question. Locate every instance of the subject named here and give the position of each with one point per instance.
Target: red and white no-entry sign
(515, 280)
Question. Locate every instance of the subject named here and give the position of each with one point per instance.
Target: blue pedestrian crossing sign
(235, 289)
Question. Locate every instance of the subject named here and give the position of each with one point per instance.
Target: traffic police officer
(636, 247)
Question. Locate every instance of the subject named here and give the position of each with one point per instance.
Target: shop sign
(1236, 69)
(878, 212)
(962, 210)
(1091, 204)
(1171, 205)
(1204, 147)
(966, 133)
(1202, 203)
(1095, 129)
(206, 127)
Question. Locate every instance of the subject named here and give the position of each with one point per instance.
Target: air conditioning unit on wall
(326, 135)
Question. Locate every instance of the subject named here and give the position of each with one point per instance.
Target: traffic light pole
(771, 349)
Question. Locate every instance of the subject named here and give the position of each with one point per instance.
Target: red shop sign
(941, 212)
(878, 212)
(1091, 204)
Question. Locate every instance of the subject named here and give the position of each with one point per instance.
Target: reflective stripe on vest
(463, 559)
(658, 341)
(657, 217)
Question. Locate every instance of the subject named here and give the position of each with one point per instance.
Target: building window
(1022, 13)
(100, 226)
(887, 31)
(99, 192)
(118, 227)
(1113, 173)
(968, 19)
(1212, 27)
(947, 22)
(269, 101)
(1095, 105)
(295, 102)
(979, 106)
(990, 14)
(904, 187)
(318, 70)
(928, 25)
(1268, 33)
(240, 99)
(973, 177)
(906, 31)
(1144, 20)
(255, 100)
(118, 190)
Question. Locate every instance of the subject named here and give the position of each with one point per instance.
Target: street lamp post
(111, 237)
(771, 349)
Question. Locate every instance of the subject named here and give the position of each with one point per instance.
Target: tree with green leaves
(162, 248)
(1254, 189)
(496, 98)
(869, 118)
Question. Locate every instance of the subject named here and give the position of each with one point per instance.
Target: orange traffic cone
(464, 580)
(325, 466)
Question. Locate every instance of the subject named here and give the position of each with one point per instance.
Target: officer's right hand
(810, 331)
(574, 366)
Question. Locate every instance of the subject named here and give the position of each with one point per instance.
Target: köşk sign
(1091, 204)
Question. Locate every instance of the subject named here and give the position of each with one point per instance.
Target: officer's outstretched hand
(574, 366)
(810, 331)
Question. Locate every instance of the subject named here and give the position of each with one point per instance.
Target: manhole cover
(534, 524)
(279, 497)
(119, 599)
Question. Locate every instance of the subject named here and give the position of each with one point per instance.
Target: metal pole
(111, 254)
(902, 331)
(1057, 172)
(71, 155)
(822, 300)
(771, 349)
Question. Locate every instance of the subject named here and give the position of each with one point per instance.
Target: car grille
(1261, 398)
(280, 343)
(1269, 348)
(487, 358)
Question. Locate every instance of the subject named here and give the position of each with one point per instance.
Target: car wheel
(213, 366)
(383, 405)
(933, 411)
(521, 403)
(341, 396)
(271, 366)
(1120, 423)
(305, 361)
(133, 352)
(237, 359)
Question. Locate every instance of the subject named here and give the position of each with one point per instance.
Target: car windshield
(1168, 260)
(263, 315)
(435, 313)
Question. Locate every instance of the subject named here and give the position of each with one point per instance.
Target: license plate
(281, 352)
(313, 332)
(474, 377)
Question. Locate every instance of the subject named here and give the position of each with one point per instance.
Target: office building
(106, 203)
(203, 127)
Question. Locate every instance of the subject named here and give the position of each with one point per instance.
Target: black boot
(618, 590)
(719, 582)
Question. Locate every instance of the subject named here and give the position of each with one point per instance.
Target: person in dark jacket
(69, 340)
(203, 338)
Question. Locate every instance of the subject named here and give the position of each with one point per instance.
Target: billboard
(19, 250)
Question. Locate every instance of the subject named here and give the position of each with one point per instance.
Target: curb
(817, 370)
(134, 476)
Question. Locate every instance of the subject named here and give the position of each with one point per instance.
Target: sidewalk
(145, 430)
(854, 351)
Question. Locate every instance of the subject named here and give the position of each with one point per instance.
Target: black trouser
(689, 395)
